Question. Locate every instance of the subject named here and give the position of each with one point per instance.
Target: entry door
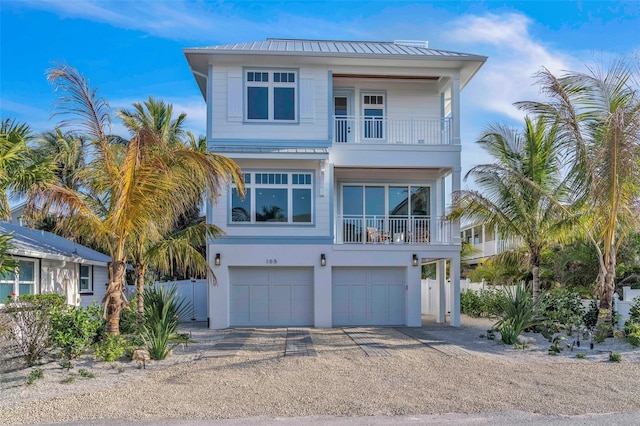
(343, 112)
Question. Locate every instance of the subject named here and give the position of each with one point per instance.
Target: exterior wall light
(415, 260)
(217, 261)
(323, 260)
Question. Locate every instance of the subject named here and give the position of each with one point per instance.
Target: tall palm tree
(142, 185)
(68, 152)
(167, 250)
(19, 171)
(598, 119)
(512, 194)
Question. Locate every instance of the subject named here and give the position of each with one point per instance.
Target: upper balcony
(385, 130)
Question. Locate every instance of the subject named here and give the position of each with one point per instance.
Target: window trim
(90, 278)
(271, 85)
(252, 186)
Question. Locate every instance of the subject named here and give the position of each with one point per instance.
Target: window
(373, 113)
(22, 281)
(86, 282)
(273, 198)
(271, 95)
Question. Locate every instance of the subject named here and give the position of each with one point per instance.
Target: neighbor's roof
(45, 245)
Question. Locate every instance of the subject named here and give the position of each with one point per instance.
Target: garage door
(271, 296)
(368, 296)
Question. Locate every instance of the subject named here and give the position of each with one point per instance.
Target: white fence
(194, 292)
(430, 297)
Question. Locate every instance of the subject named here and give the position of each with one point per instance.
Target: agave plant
(163, 312)
(518, 311)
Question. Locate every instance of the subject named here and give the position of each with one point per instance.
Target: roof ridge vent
(412, 43)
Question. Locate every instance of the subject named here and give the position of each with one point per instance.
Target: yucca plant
(163, 311)
(518, 311)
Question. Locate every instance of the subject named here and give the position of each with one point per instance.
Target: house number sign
(272, 261)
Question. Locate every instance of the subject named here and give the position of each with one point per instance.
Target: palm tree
(512, 193)
(19, 171)
(68, 152)
(142, 185)
(598, 119)
(168, 250)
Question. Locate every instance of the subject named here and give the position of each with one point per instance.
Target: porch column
(455, 187)
(455, 109)
(442, 292)
(454, 275)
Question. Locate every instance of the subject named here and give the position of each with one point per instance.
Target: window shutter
(234, 96)
(307, 87)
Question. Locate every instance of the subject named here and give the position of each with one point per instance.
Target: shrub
(111, 348)
(73, 329)
(634, 312)
(615, 357)
(30, 323)
(517, 311)
(561, 310)
(590, 317)
(483, 303)
(581, 355)
(162, 311)
(632, 332)
(470, 303)
(129, 318)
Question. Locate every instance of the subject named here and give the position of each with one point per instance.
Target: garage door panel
(368, 296)
(271, 296)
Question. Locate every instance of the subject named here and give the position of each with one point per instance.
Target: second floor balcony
(371, 229)
(386, 130)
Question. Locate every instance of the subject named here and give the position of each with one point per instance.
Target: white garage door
(368, 296)
(271, 296)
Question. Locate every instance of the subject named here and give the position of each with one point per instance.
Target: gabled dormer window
(270, 95)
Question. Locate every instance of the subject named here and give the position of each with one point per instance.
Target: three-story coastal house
(350, 151)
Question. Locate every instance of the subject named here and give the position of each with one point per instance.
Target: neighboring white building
(345, 147)
(52, 264)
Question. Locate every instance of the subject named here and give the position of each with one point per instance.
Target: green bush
(35, 374)
(162, 313)
(73, 330)
(590, 317)
(517, 312)
(632, 332)
(561, 310)
(483, 303)
(634, 312)
(111, 348)
(129, 318)
(30, 323)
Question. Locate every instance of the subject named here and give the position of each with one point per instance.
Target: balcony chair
(376, 236)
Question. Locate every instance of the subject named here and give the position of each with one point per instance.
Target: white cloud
(514, 57)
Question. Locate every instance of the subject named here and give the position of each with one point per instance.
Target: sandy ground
(458, 370)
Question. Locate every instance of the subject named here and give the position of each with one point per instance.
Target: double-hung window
(86, 281)
(271, 95)
(274, 197)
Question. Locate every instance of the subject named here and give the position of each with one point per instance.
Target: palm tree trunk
(606, 289)
(114, 300)
(535, 272)
(140, 272)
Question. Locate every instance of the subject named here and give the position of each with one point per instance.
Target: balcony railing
(417, 131)
(392, 230)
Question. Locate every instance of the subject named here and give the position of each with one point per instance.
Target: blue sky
(131, 50)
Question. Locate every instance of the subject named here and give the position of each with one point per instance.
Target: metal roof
(336, 47)
(45, 245)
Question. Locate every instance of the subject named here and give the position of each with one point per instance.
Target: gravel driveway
(331, 372)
